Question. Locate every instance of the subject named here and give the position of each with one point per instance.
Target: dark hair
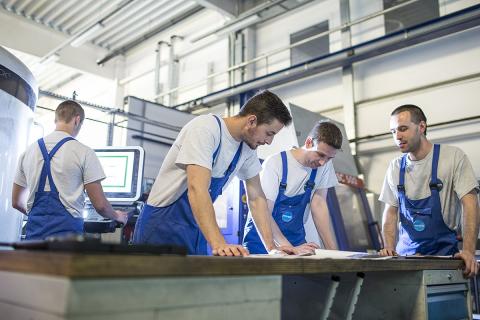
(416, 114)
(69, 109)
(266, 106)
(327, 132)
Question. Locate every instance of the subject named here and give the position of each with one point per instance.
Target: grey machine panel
(157, 133)
(304, 120)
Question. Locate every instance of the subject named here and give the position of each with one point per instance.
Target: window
(312, 49)
(409, 15)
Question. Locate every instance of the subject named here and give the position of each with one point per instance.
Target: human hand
(229, 250)
(306, 249)
(387, 252)
(471, 264)
(121, 216)
(303, 249)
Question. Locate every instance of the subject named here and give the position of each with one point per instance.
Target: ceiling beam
(225, 8)
(26, 36)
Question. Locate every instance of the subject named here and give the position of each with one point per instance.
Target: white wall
(192, 68)
(426, 74)
(276, 33)
(424, 65)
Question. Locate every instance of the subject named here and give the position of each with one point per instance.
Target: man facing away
(430, 193)
(296, 182)
(53, 174)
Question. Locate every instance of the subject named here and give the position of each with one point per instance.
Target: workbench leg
(332, 291)
(355, 294)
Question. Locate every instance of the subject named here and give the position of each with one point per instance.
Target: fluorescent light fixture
(86, 35)
(205, 32)
(219, 31)
(238, 25)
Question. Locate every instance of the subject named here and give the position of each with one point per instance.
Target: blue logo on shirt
(419, 225)
(287, 216)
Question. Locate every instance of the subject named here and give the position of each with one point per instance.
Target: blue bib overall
(287, 212)
(48, 216)
(422, 229)
(175, 224)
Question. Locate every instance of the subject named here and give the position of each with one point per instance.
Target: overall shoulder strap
(435, 183)
(215, 154)
(308, 187)
(283, 182)
(58, 145)
(401, 178)
(46, 169)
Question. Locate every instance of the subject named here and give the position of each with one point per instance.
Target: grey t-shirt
(73, 166)
(297, 176)
(454, 170)
(195, 144)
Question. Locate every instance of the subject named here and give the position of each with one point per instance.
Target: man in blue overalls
(208, 152)
(296, 182)
(54, 172)
(425, 190)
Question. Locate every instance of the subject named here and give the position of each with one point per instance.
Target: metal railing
(266, 56)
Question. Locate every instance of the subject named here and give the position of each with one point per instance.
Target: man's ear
(423, 126)
(309, 142)
(251, 121)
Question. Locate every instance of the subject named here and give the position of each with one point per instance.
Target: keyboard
(85, 244)
(93, 215)
(95, 223)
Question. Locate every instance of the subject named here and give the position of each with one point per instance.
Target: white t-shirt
(454, 170)
(297, 176)
(72, 166)
(195, 144)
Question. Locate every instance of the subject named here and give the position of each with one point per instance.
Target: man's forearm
(204, 214)
(19, 194)
(389, 237)
(278, 237)
(327, 237)
(470, 221)
(258, 208)
(20, 208)
(389, 227)
(322, 221)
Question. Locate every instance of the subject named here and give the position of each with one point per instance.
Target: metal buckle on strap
(438, 185)
(283, 186)
(401, 188)
(309, 185)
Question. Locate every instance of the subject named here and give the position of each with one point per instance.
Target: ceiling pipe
(455, 22)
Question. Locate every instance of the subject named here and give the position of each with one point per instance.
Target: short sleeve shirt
(454, 170)
(195, 145)
(297, 177)
(73, 166)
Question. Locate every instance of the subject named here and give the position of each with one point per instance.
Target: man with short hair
(296, 182)
(54, 172)
(208, 152)
(424, 193)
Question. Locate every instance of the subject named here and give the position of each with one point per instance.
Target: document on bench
(336, 254)
(325, 254)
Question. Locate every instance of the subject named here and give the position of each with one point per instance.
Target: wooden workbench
(43, 285)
